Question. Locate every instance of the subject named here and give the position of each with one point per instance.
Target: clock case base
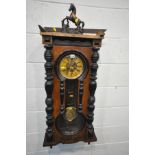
(69, 139)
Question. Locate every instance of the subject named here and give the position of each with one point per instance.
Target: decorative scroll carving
(49, 91)
(92, 88)
(62, 107)
(80, 96)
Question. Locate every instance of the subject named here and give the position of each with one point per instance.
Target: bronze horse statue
(73, 18)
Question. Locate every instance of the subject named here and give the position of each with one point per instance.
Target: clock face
(71, 66)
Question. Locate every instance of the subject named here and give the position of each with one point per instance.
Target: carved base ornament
(71, 56)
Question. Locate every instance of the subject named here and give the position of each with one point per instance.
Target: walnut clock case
(71, 67)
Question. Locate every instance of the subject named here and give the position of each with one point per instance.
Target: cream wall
(111, 113)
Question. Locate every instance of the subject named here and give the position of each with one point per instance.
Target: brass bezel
(80, 55)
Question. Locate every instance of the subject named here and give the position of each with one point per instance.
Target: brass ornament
(70, 113)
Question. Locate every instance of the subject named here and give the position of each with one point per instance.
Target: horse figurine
(73, 18)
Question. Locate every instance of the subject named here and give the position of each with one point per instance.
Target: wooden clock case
(56, 44)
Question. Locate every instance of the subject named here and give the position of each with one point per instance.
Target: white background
(12, 79)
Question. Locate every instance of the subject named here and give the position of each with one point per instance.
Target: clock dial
(71, 66)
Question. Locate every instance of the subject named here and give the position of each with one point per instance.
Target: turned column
(80, 96)
(92, 89)
(49, 91)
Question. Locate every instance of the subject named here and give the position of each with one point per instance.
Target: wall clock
(71, 56)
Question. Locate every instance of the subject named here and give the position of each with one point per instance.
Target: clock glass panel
(71, 66)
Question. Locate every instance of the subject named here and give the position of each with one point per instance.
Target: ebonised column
(49, 91)
(92, 89)
(62, 107)
(80, 96)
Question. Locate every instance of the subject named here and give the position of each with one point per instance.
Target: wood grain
(57, 51)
